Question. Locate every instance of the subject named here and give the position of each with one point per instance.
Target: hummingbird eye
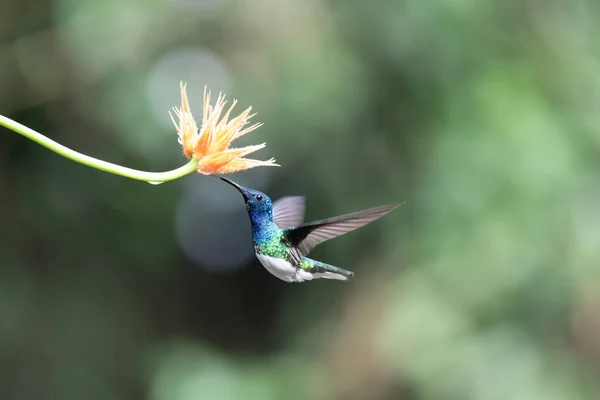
(259, 197)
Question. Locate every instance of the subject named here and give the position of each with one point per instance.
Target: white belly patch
(283, 269)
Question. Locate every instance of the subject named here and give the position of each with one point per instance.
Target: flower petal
(218, 162)
(212, 163)
(241, 164)
(210, 144)
(226, 131)
(186, 128)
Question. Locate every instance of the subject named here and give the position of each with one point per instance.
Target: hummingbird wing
(288, 211)
(305, 237)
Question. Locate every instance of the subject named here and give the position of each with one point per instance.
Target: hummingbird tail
(326, 271)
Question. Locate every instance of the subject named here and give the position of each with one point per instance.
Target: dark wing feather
(305, 237)
(288, 211)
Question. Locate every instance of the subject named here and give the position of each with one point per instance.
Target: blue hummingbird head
(260, 210)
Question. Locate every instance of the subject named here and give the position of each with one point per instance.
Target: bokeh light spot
(197, 67)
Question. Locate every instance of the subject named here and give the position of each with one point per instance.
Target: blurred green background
(482, 115)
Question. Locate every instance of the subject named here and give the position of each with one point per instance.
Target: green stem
(152, 177)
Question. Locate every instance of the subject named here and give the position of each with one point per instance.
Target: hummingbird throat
(263, 227)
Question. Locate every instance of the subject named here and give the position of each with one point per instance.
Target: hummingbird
(282, 242)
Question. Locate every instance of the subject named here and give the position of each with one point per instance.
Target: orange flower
(210, 144)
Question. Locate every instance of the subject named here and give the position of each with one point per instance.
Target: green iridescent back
(274, 247)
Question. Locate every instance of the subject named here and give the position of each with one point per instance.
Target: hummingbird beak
(241, 189)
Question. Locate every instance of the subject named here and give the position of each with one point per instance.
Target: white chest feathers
(283, 269)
